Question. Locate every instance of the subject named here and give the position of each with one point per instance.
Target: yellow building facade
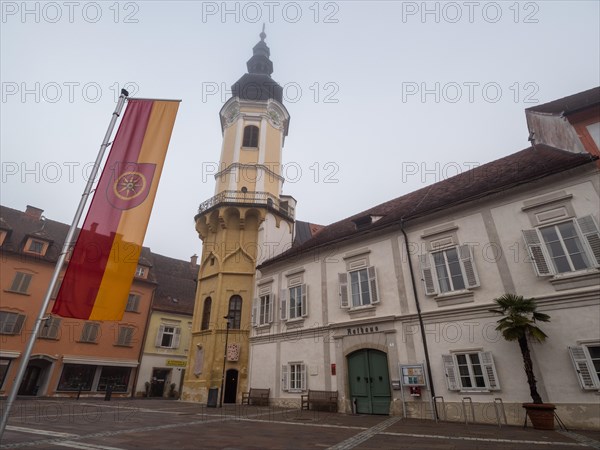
(246, 222)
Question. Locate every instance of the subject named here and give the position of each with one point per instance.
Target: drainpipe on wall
(421, 326)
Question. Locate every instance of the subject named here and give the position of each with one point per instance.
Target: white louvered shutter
(303, 380)
(159, 335)
(373, 284)
(343, 285)
(255, 311)
(270, 305)
(489, 371)
(176, 337)
(470, 271)
(591, 236)
(537, 252)
(284, 377)
(450, 371)
(427, 274)
(283, 306)
(583, 368)
(304, 295)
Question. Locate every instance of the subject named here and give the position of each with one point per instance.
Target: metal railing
(248, 198)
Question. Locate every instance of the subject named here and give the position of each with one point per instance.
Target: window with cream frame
(294, 298)
(471, 370)
(262, 309)
(586, 362)
(358, 285)
(447, 266)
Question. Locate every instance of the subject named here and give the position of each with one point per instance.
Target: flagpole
(57, 269)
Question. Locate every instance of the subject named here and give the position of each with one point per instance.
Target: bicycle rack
(498, 403)
(464, 408)
(435, 403)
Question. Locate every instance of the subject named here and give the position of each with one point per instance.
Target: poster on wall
(412, 375)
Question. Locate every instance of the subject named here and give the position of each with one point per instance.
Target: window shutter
(283, 306)
(284, 377)
(343, 282)
(93, 335)
(450, 371)
(56, 288)
(373, 284)
(537, 252)
(271, 307)
(470, 272)
(176, 337)
(255, 311)
(25, 284)
(304, 290)
(50, 328)
(489, 371)
(85, 332)
(583, 368)
(55, 327)
(591, 235)
(303, 377)
(427, 274)
(18, 324)
(159, 335)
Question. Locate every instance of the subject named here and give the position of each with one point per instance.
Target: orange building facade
(70, 356)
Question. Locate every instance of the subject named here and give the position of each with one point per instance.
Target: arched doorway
(231, 382)
(369, 381)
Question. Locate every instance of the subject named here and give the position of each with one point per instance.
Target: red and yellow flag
(104, 260)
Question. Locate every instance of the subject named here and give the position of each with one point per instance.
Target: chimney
(34, 212)
(194, 260)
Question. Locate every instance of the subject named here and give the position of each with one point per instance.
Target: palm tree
(518, 324)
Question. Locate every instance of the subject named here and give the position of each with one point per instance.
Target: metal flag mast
(57, 269)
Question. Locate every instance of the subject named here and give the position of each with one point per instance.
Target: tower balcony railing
(248, 198)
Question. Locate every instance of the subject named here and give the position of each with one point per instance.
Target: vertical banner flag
(105, 257)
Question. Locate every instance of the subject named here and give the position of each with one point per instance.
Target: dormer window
(141, 272)
(250, 136)
(3, 234)
(36, 246)
(365, 221)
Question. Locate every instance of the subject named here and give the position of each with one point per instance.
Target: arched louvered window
(250, 136)
(206, 314)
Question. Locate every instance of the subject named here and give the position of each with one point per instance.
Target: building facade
(78, 357)
(390, 307)
(70, 355)
(246, 219)
(169, 334)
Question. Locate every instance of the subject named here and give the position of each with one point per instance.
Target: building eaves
(505, 173)
(569, 105)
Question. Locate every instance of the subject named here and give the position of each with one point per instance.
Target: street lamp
(227, 318)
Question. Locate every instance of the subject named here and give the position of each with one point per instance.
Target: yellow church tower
(246, 222)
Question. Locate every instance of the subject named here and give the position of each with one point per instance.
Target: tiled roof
(175, 278)
(22, 225)
(176, 290)
(304, 231)
(497, 176)
(571, 104)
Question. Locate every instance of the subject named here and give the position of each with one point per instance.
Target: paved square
(94, 424)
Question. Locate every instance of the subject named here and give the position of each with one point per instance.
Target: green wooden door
(369, 381)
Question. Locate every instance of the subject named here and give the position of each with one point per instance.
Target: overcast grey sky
(384, 97)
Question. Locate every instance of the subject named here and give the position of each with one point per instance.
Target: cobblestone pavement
(94, 424)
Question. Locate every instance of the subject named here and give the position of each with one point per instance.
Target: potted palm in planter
(519, 324)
